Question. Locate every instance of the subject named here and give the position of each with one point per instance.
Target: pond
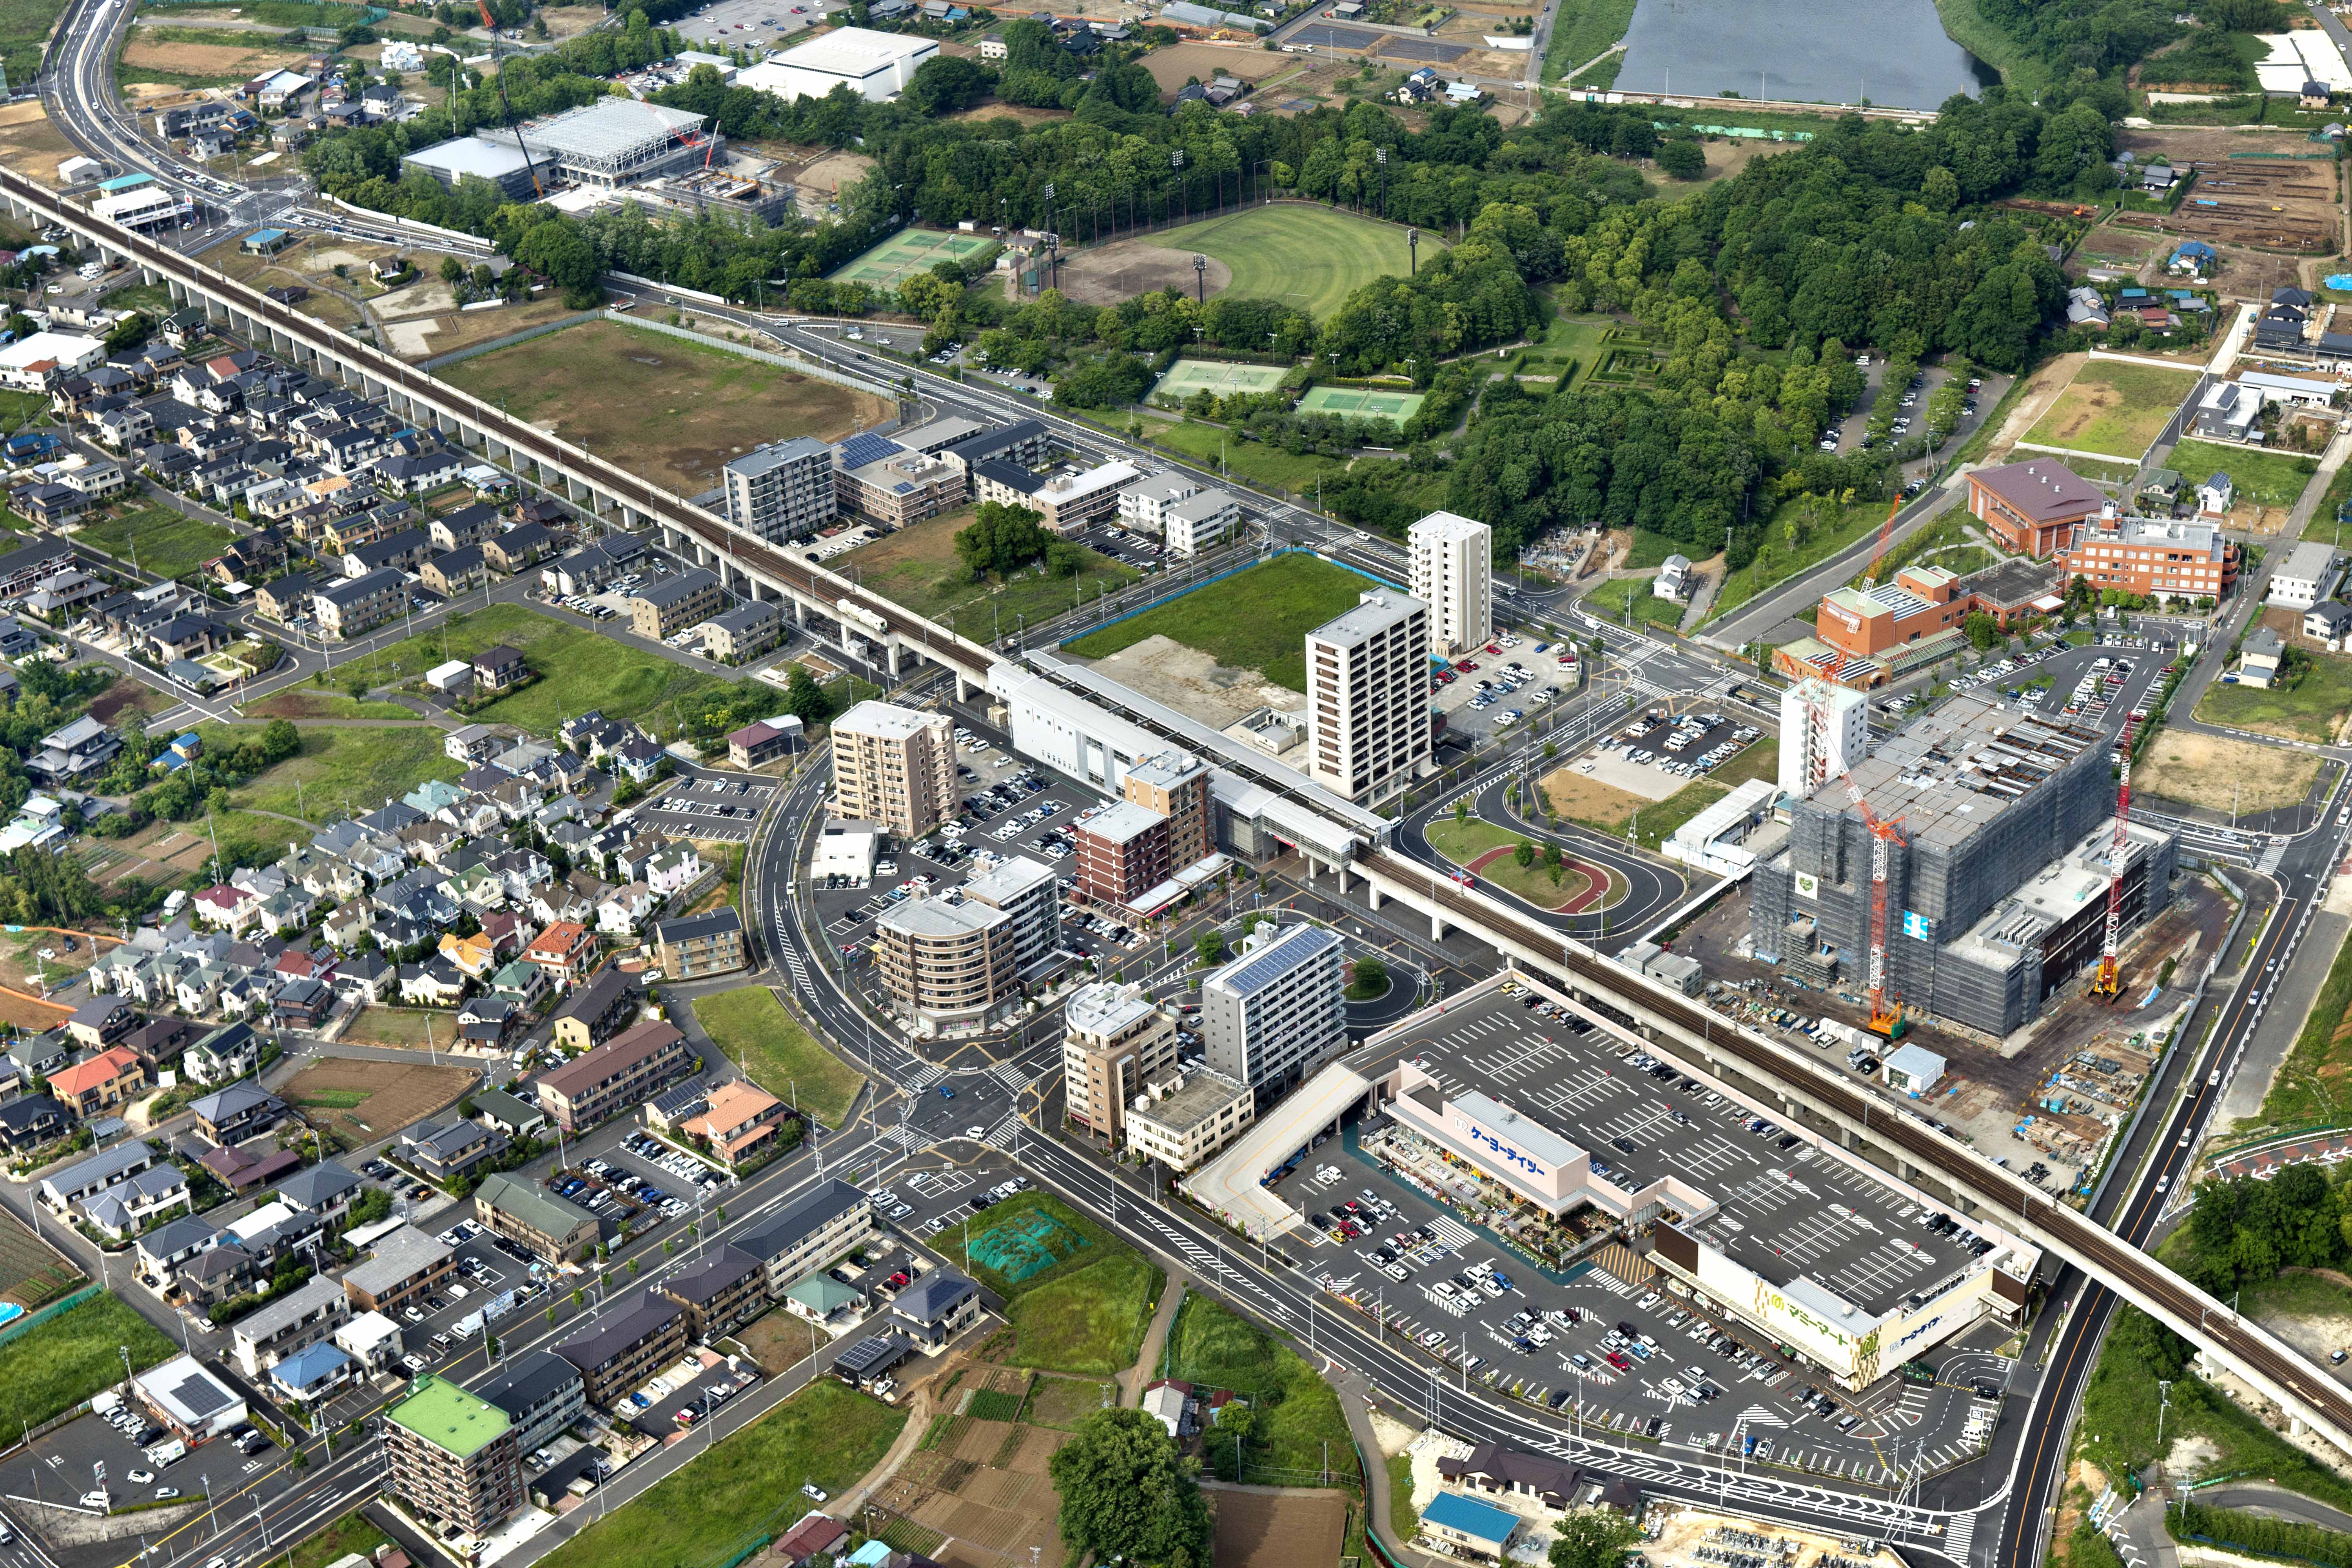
(1892, 52)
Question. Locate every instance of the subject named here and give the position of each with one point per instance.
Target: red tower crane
(1886, 1018)
(2108, 980)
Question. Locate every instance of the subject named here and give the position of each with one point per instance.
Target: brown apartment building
(896, 766)
(615, 1075)
(1115, 1041)
(1177, 787)
(624, 1348)
(947, 962)
(1123, 852)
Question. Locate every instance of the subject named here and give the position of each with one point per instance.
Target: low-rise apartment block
(673, 604)
(358, 604)
(616, 1075)
(626, 1345)
(529, 1214)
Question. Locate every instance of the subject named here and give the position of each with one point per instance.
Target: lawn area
(56, 1366)
(314, 702)
(671, 410)
(1078, 1297)
(753, 1027)
(162, 541)
(2271, 478)
(1310, 256)
(353, 1532)
(1255, 619)
(745, 1487)
(917, 567)
(577, 669)
(2314, 1085)
(1582, 29)
(2309, 710)
(340, 770)
(1629, 598)
(1821, 527)
(2113, 407)
(1463, 842)
(1253, 461)
(1296, 1412)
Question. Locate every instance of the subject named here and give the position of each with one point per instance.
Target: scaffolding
(619, 140)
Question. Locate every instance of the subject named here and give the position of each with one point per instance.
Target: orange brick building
(2034, 508)
(2152, 558)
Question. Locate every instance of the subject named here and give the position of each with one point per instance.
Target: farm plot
(32, 1272)
(371, 1099)
(1288, 1530)
(2113, 409)
(980, 1490)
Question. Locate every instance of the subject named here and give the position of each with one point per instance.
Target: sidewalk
(1353, 1389)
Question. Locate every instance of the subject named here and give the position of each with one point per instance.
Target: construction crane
(490, 24)
(1885, 1018)
(1885, 529)
(2108, 980)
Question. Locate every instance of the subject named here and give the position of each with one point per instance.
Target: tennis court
(1187, 376)
(1361, 403)
(910, 250)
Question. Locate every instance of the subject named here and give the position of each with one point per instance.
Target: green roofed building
(820, 1296)
(454, 1455)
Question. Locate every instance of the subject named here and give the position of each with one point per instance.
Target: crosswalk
(923, 1077)
(1453, 1232)
(1958, 1535)
(1001, 1136)
(1014, 1076)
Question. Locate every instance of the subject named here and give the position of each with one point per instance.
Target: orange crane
(2110, 979)
(1885, 529)
(1885, 1018)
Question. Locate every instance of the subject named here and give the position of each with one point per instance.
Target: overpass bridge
(1669, 1019)
(747, 564)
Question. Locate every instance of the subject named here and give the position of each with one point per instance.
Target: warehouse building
(498, 160)
(878, 66)
(2007, 826)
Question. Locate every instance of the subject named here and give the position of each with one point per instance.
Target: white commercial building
(1202, 522)
(148, 207)
(1824, 731)
(1453, 572)
(1368, 697)
(877, 66)
(2306, 576)
(1276, 1012)
(37, 362)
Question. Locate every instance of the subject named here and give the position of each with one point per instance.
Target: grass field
(1063, 1402)
(353, 1532)
(1313, 258)
(753, 1027)
(577, 669)
(312, 702)
(402, 1026)
(2114, 408)
(1298, 1412)
(1254, 619)
(1582, 29)
(1211, 445)
(909, 250)
(670, 410)
(340, 770)
(164, 543)
(1629, 598)
(2268, 478)
(1187, 376)
(745, 1486)
(1362, 402)
(1087, 1311)
(63, 1361)
(1463, 842)
(2222, 773)
(918, 567)
(2310, 711)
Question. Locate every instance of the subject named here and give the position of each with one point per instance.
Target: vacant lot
(342, 771)
(746, 1486)
(156, 539)
(353, 1532)
(1255, 619)
(918, 567)
(29, 143)
(670, 410)
(2314, 709)
(311, 703)
(2265, 479)
(2112, 408)
(197, 57)
(1310, 256)
(1266, 1530)
(2223, 775)
(421, 1027)
(374, 1100)
(1063, 1402)
(1297, 1413)
(1172, 67)
(1077, 1298)
(753, 1027)
(1612, 811)
(56, 1366)
(576, 668)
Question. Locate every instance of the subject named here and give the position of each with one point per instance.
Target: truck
(168, 1452)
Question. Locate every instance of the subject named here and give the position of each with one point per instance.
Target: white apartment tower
(1368, 697)
(1453, 573)
(782, 491)
(1271, 1014)
(895, 766)
(1824, 731)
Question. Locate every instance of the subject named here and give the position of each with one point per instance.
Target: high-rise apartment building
(1024, 889)
(896, 766)
(784, 491)
(947, 963)
(1453, 572)
(454, 1455)
(1824, 731)
(1177, 787)
(1368, 697)
(1276, 1011)
(1115, 1041)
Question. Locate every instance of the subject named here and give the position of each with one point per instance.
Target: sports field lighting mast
(2108, 981)
(1884, 1020)
(1413, 252)
(1200, 279)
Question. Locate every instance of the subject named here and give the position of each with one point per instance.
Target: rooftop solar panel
(868, 447)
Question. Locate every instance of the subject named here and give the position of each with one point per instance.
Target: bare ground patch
(1293, 1528)
(1126, 267)
(1195, 684)
(373, 1099)
(30, 144)
(1172, 68)
(2215, 770)
(2031, 403)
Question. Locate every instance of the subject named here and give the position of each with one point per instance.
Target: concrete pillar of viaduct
(1372, 893)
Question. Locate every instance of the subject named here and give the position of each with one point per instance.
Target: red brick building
(2034, 508)
(2153, 558)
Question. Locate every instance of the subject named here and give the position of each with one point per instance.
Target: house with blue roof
(1468, 1528)
(314, 1371)
(190, 745)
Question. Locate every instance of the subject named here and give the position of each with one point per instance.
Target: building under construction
(1997, 878)
(617, 142)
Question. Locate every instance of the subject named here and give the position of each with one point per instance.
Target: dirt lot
(213, 62)
(1195, 684)
(30, 144)
(1022, 112)
(817, 174)
(126, 693)
(1278, 1527)
(372, 1099)
(1172, 68)
(23, 968)
(565, 21)
(2032, 403)
(2220, 774)
(671, 410)
(2280, 205)
(429, 337)
(1572, 794)
(1127, 267)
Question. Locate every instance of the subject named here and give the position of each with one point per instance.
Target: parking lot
(714, 808)
(1849, 434)
(753, 25)
(1496, 688)
(1639, 1359)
